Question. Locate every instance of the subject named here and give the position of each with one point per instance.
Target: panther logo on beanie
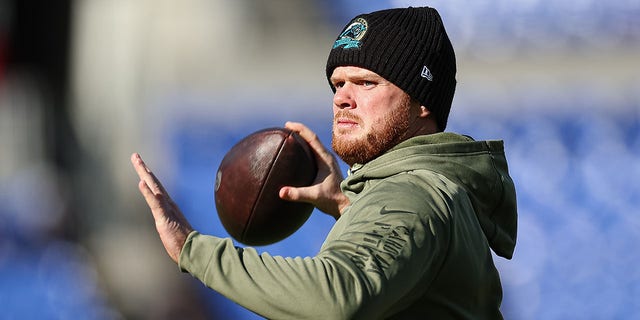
(350, 37)
(407, 46)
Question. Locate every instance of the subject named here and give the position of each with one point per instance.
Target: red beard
(383, 136)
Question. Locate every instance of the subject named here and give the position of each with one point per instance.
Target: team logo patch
(352, 34)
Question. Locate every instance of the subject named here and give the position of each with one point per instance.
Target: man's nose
(343, 98)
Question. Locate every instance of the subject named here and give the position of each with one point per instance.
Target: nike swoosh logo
(384, 210)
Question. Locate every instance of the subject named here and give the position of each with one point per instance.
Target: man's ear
(424, 112)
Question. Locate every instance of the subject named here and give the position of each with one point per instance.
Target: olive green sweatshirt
(413, 244)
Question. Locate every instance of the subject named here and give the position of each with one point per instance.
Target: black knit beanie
(409, 47)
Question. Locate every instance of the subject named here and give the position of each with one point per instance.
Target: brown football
(249, 179)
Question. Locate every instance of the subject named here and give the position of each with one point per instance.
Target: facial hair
(383, 136)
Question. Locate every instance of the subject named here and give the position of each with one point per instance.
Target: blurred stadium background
(83, 84)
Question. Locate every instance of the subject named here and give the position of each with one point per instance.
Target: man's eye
(368, 83)
(339, 84)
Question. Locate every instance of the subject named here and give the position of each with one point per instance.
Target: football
(249, 179)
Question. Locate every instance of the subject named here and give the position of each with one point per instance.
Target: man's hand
(171, 224)
(324, 193)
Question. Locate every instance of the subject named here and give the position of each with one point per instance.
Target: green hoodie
(413, 244)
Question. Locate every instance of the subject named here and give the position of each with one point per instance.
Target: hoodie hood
(479, 166)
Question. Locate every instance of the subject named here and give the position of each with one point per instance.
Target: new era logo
(426, 73)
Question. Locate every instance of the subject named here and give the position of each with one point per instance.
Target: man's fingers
(149, 186)
(154, 201)
(146, 175)
(287, 193)
(301, 129)
(305, 133)
(144, 189)
(296, 194)
(311, 138)
(148, 195)
(140, 167)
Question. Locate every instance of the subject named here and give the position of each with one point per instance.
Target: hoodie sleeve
(272, 286)
(375, 249)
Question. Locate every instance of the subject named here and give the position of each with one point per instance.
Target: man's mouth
(346, 121)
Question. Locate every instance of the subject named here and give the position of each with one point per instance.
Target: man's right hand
(324, 193)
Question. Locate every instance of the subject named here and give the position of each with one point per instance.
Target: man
(417, 215)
